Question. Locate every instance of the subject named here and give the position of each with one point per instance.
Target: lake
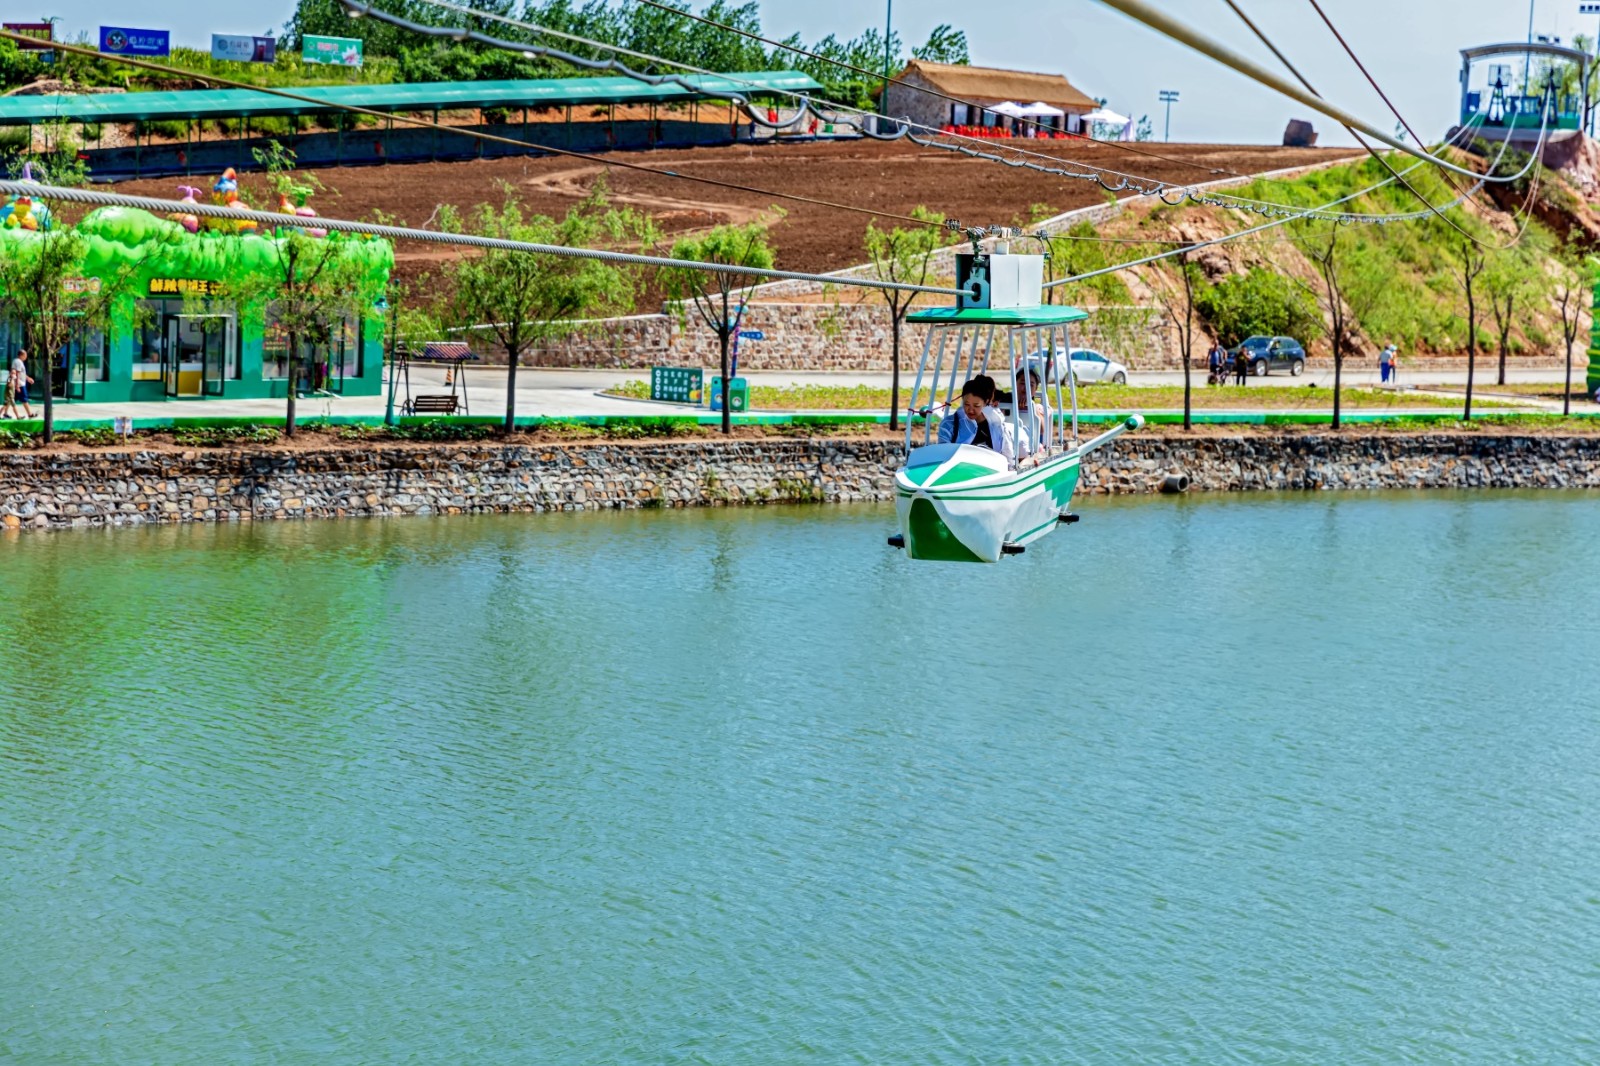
(1261, 779)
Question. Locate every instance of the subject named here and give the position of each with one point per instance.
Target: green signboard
(677, 384)
(331, 51)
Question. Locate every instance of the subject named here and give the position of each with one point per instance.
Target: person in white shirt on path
(17, 380)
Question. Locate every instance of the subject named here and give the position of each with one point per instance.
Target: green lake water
(1309, 779)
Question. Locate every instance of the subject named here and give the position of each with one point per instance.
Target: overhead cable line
(1157, 20)
(1158, 187)
(477, 134)
(372, 229)
(1362, 141)
(1395, 111)
(1264, 226)
(878, 76)
(1155, 187)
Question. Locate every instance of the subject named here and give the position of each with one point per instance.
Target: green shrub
(91, 436)
(221, 436)
(437, 429)
(11, 437)
(1260, 302)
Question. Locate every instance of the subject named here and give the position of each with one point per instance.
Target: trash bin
(738, 395)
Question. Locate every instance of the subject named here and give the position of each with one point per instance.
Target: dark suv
(1273, 353)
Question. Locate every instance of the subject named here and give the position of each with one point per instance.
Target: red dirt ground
(892, 177)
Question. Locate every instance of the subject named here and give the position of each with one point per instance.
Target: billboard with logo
(331, 51)
(126, 41)
(240, 49)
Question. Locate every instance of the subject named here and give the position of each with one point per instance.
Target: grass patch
(1090, 397)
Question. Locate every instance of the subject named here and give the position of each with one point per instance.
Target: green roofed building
(173, 334)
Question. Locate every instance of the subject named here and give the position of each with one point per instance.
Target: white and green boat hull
(958, 503)
(964, 504)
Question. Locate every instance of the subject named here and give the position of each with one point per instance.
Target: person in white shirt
(17, 380)
(977, 421)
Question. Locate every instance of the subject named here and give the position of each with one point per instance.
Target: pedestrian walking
(1394, 366)
(1385, 363)
(17, 382)
(1215, 359)
(1241, 366)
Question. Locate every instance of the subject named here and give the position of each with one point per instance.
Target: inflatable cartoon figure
(24, 212)
(225, 193)
(298, 207)
(184, 219)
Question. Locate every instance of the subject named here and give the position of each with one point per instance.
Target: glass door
(171, 358)
(213, 359)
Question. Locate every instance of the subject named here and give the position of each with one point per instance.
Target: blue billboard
(123, 41)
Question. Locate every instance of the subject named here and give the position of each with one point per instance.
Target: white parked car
(1088, 366)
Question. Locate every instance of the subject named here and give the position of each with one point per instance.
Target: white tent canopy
(1108, 117)
(1040, 109)
(1009, 109)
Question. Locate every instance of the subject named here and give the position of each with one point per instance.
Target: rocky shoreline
(57, 490)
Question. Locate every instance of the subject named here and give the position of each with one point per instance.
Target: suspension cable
(1155, 187)
(477, 134)
(1225, 238)
(156, 205)
(878, 76)
(1159, 21)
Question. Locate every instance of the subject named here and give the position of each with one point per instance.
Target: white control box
(1000, 280)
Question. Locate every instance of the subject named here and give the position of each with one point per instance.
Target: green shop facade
(171, 333)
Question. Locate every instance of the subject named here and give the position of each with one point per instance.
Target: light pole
(1588, 118)
(1168, 97)
(888, 17)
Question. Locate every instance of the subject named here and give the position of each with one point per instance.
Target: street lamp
(1591, 9)
(1169, 97)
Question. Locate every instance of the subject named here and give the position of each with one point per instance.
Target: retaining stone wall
(61, 490)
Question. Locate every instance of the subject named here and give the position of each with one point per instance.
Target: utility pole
(1168, 97)
(1588, 8)
(888, 20)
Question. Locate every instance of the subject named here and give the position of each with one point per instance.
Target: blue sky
(1411, 46)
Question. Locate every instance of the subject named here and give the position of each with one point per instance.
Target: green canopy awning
(1042, 315)
(416, 96)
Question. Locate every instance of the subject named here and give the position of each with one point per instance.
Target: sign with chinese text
(125, 41)
(80, 285)
(184, 287)
(243, 49)
(677, 384)
(42, 32)
(331, 51)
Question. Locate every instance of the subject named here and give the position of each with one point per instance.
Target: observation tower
(1510, 91)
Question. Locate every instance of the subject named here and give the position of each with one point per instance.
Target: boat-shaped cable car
(965, 502)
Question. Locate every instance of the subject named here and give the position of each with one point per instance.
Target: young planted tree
(710, 292)
(1573, 292)
(1472, 263)
(1351, 288)
(520, 299)
(1179, 304)
(313, 287)
(1505, 283)
(903, 256)
(42, 286)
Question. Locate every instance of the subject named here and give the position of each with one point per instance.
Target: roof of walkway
(415, 96)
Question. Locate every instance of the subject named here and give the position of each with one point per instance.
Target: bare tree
(1473, 261)
(1573, 291)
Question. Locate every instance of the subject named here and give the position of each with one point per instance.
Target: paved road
(566, 393)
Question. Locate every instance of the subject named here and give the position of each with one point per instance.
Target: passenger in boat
(1033, 417)
(978, 421)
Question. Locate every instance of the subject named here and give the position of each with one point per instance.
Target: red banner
(43, 32)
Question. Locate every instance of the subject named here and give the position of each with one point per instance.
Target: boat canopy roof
(1042, 315)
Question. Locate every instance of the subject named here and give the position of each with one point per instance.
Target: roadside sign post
(677, 384)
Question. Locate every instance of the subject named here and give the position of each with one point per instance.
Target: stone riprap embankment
(77, 489)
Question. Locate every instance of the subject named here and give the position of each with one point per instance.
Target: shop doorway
(199, 355)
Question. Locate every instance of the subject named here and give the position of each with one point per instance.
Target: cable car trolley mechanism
(976, 489)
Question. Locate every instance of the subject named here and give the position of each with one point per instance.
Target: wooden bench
(433, 405)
